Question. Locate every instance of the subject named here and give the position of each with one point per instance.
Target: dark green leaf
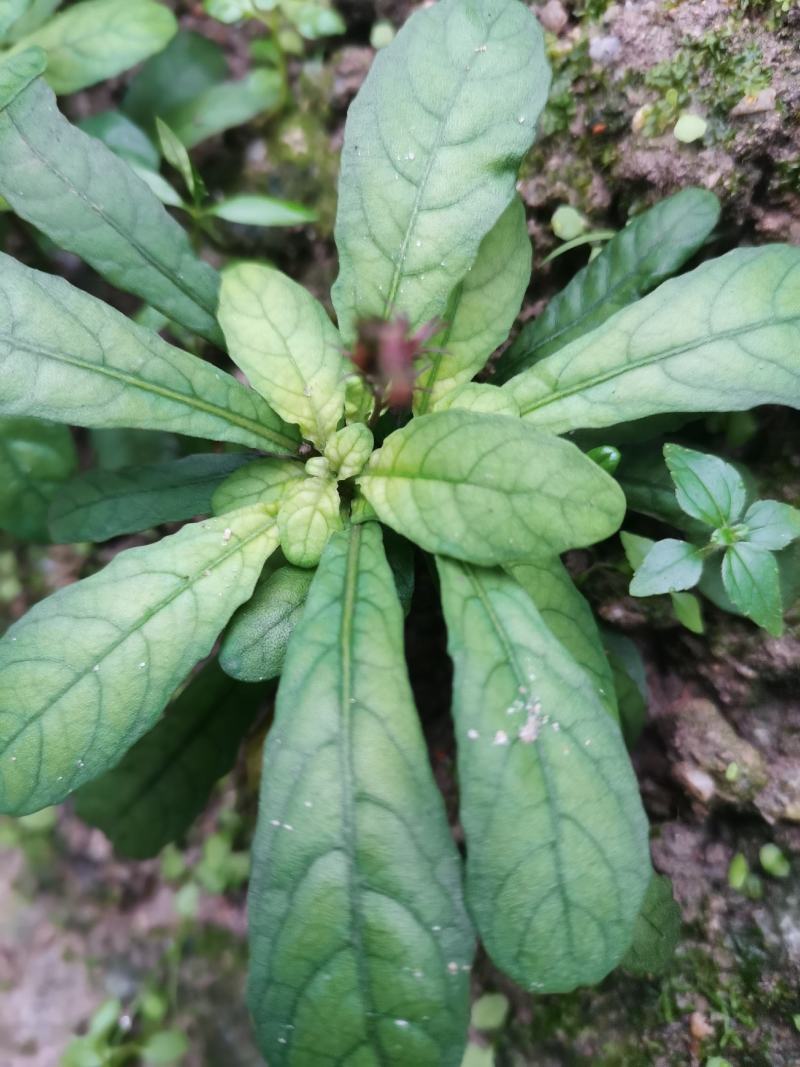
(254, 646)
(123, 137)
(88, 201)
(485, 489)
(630, 682)
(652, 246)
(721, 338)
(221, 107)
(750, 577)
(771, 524)
(68, 357)
(98, 39)
(670, 565)
(104, 504)
(649, 490)
(430, 157)
(557, 843)
(36, 458)
(163, 783)
(657, 930)
(359, 942)
(706, 487)
(88, 671)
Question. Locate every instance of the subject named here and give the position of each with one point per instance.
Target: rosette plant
(363, 920)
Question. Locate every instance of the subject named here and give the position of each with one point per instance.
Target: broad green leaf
(308, 515)
(163, 783)
(669, 566)
(254, 646)
(17, 71)
(479, 396)
(556, 839)
(486, 489)
(90, 202)
(250, 210)
(657, 930)
(98, 39)
(103, 504)
(123, 137)
(630, 684)
(229, 104)
(68, 357)
(430, 156)
(706, 487)
(115, 449)
(36, 458)
(645, 253)
(38, 11)
(771, 524)
(88, 671)
(348, 450)
(567, 614)
(287, 346)
(359, 944)
(481, 309)
(10, 11)
(175, 77)
(721, 338)
(688, 611)
(751, 580)
(263, 482)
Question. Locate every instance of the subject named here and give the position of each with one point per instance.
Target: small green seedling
(363, 917)
(745, 537)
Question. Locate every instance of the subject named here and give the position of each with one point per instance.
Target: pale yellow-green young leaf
(88, 671)
(358, 399)
(479, 396)
(264, 481)
(349, 449)
(287, 346)
(308, 515)
(480, 312)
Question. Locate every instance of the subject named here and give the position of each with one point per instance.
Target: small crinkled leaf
(348, 450)
(567, 614)
(190, 64)
(751, 579)
(250, 210)
(481, 310)
(479, 396)
(102, 504)
(123, 137)
(657, 930)
(771, 524)
(431, 155)
(706, 487)
(68, 357)
(556, 838)
(231, 103)
(721, 338)
(483, 488)
(36, 458)
(261, 482)
(653, 246)
(670, 565)
(163, 783)
(88, 671)
(359, 944)
(89, 201)
(254, 646)
(283, 340)
(309, 513)
(98, 39)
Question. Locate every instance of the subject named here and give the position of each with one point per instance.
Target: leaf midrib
(644, 361)
(257, 428)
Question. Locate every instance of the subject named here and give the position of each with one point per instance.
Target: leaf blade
(670, 566)
(332, 895)
(108, 642)
(706, 487)
(751, 580)
(71, 346)
(480, 487)
(423, 116)
(540, 808)
(720, 338)
(36, 458)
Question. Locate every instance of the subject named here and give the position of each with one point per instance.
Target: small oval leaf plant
(351, 443)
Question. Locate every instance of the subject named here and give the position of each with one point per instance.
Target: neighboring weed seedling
(363, 919)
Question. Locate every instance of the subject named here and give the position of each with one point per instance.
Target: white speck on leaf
(500, 738)
(402, 1023)
(227, 535)
(473, 735)
(452, 967)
